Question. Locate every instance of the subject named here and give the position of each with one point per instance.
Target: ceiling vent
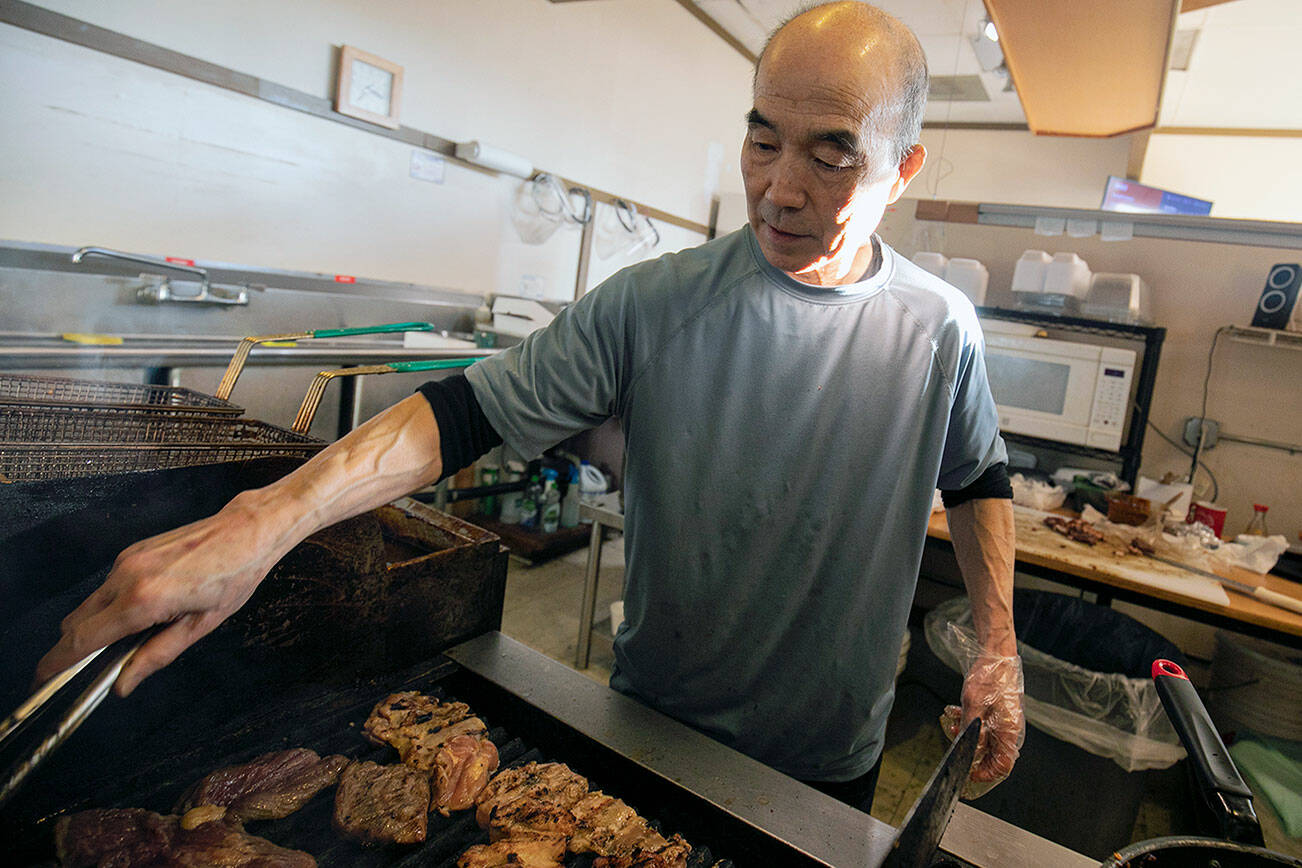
(957, 88)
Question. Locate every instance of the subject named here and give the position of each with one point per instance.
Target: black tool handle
(1222, 787)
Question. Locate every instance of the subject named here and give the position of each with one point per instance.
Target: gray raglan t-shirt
(782, 446)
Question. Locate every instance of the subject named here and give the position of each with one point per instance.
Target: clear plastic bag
(1108, 714)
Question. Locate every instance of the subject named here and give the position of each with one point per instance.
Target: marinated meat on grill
(461, 770)
(526, 818)
(134, 838)
(418, 726)
(271, 786)
(515, 853)
(223, 844)
(378, 804)
(610, 828)
(553, 783)
(113, 836)
(399, 717)
(671, 854)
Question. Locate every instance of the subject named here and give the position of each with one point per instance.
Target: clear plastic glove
(992, 691)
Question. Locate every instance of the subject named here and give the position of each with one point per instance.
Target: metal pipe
(1290, 448)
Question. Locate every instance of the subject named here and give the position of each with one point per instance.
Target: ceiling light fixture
(986, 46)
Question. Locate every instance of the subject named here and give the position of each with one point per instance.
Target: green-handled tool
(312, 400)
(241, 356)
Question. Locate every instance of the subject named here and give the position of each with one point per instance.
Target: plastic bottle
(1257, 527)
(570, 502)
(530, 502)
(551, 502)
(489, 476)
(592, 484)
(511, 502)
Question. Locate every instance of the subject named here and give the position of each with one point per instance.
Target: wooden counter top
(1137, 575)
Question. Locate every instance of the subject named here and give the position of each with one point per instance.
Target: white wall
(102, 150)
(1018, 167)
(1248, 177)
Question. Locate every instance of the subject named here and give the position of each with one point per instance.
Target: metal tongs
(44, 699)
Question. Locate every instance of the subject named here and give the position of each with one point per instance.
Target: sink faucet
(163, 292)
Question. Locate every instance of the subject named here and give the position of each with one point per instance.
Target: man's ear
(909, 168)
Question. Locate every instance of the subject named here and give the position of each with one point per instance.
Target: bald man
(791, 395)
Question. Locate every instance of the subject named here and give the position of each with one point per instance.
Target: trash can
(1096, 731)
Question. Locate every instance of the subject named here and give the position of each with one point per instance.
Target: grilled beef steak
(134, 838)
(271, 786)
(462, 767)
(378, 804)
(121, 836)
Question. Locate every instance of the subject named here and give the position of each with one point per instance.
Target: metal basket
(67, 393)
(30, 462)
(114, 425)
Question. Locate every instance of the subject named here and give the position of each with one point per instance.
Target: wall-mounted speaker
(1279, 297)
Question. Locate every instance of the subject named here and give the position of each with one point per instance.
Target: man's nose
(785, 188)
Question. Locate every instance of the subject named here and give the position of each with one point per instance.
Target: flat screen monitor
(1125, 195)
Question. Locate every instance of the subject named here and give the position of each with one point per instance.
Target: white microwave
(1060, 390)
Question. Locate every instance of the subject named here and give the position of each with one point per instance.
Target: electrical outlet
(1211, 429)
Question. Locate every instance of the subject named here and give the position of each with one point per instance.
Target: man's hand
(992, 691)
(195, 576)
(198, 575)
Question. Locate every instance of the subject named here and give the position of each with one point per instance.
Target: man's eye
(831, 167)
(764, 146)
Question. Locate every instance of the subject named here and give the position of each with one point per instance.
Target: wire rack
(32, 462)
(63, 392)
(94, 425)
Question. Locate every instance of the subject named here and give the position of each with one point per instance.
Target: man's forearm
(392, 454)
(983, 534)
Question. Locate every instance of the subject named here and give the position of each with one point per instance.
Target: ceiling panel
(1242, 73)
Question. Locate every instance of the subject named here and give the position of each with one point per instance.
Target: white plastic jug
(970, 276)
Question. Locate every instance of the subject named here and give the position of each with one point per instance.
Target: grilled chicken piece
(130, 836)
(422, 750)
(606, 826)
(271, 786)
(515, 853)
(553, 783)
(670, 854)
(614, 831)
(378, 804)
(525, 818)
(462, 767)
(400, 718)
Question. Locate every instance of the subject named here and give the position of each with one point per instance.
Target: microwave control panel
(1111, 398)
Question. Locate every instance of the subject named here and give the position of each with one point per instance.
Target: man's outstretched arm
(983, 534)
(199, 574)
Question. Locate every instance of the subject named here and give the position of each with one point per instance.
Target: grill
(341, 622)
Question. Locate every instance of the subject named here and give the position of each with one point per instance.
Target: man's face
(813, 193)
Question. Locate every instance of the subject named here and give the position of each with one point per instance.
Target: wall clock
(369, 87)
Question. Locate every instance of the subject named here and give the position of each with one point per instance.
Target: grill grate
(331, 724)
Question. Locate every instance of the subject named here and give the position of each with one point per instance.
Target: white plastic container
(1028, 274)
(929, 260)
(592, 484)
(1117, 297)
(1067, 274)
(969, 276)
